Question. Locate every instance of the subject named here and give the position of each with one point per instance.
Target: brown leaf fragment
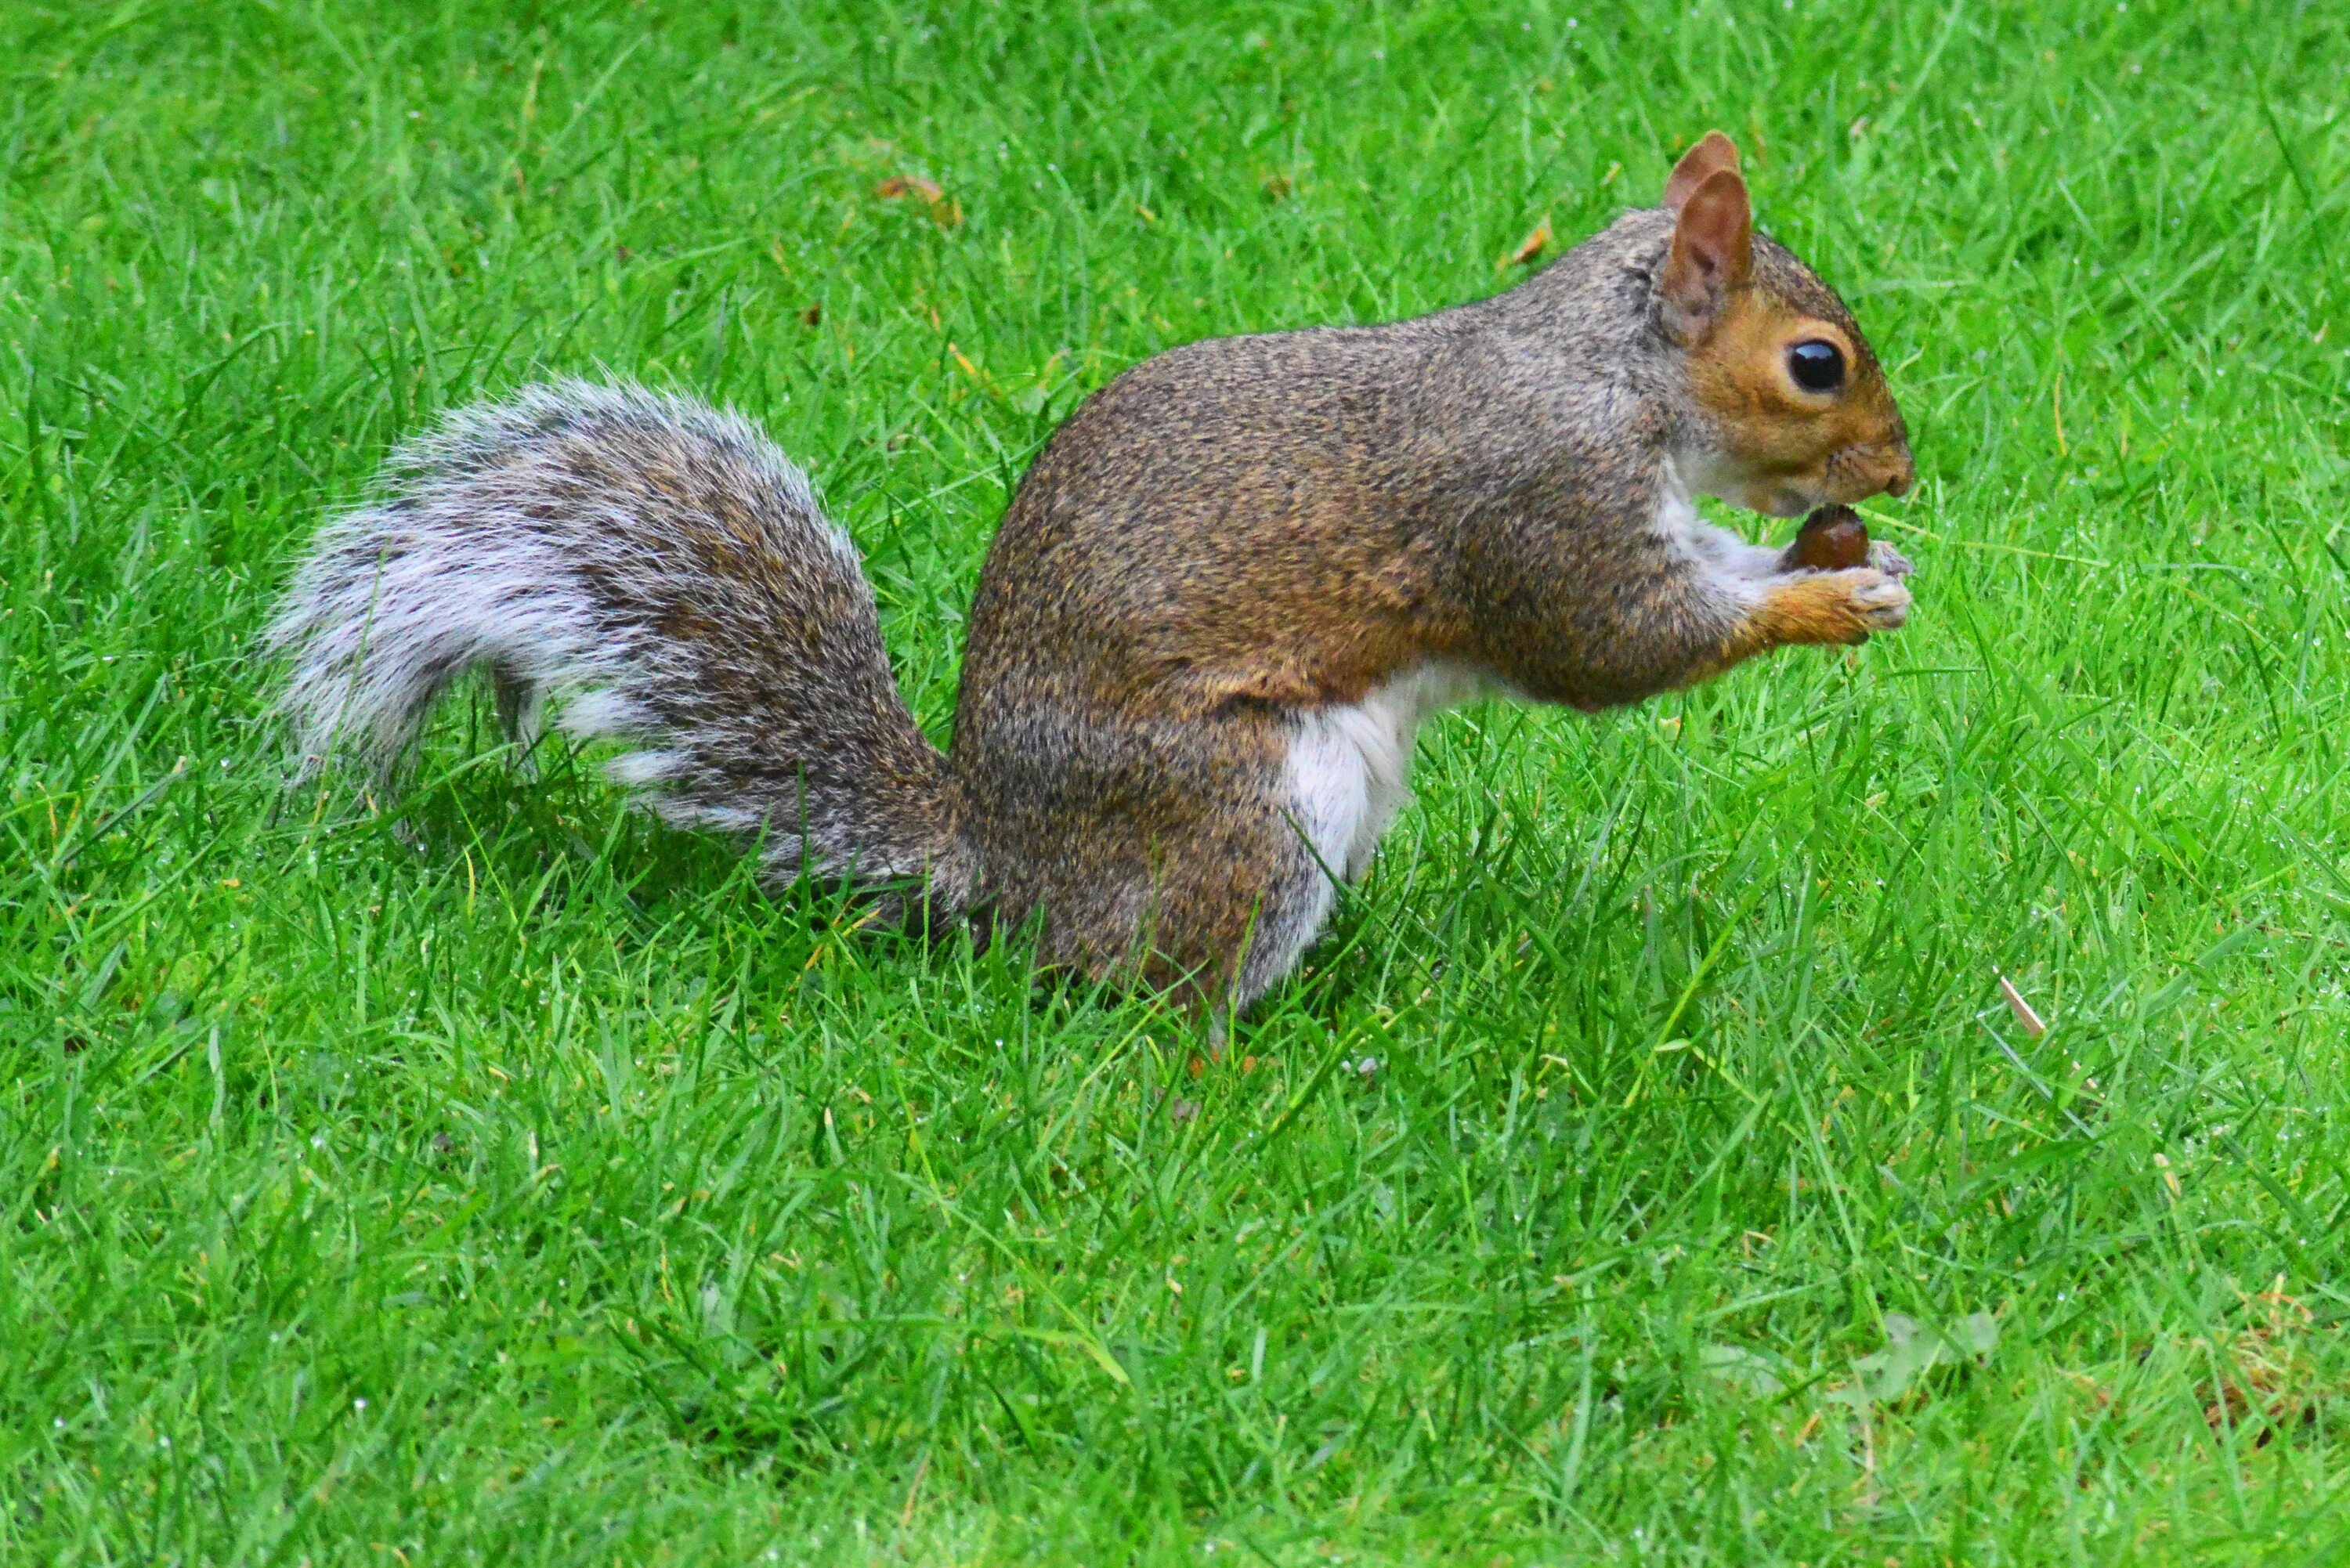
(2026, 1018)
(1533, 245)
(2266, 1376)
(943, 210)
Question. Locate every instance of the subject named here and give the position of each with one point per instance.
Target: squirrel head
(1793, 405)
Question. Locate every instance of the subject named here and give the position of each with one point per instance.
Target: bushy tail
(661, 571)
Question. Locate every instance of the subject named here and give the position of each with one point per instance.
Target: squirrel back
(1224, 599)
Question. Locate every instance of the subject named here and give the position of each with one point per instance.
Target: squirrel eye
(1817, 367)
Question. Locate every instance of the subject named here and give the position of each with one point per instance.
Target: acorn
(1831, 539)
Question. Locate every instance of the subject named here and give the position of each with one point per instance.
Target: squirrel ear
(1714, 250)
(1713, 152)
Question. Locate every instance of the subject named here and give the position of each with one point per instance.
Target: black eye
(1817, 367)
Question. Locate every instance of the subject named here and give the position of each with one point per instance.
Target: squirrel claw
(1882, 605)
(1885, 558)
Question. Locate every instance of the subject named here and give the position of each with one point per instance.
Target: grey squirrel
(1222, 600)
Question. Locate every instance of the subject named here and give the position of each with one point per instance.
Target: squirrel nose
(1903, 473)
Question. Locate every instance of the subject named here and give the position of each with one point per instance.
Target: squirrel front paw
(1876, 600)
(1833, 607)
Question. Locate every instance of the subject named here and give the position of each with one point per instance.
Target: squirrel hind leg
(1295, 908)
(1239, 925)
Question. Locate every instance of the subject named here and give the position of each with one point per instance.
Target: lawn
(1648, 1168)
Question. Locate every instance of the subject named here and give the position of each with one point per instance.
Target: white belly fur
(1351, 766)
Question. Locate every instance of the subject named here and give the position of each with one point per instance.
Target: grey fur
(1213, 564)
(1245, 530)
(661, 570)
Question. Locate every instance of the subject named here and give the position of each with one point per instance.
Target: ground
(1648, 1168)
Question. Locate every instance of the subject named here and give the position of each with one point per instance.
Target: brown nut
(1832, 539)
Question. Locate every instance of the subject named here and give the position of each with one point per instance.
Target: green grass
(508, 1182)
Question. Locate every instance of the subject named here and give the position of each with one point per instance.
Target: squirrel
(1222, 601)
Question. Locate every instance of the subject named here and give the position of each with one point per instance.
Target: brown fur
(1249, 526)
(1223, 595)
